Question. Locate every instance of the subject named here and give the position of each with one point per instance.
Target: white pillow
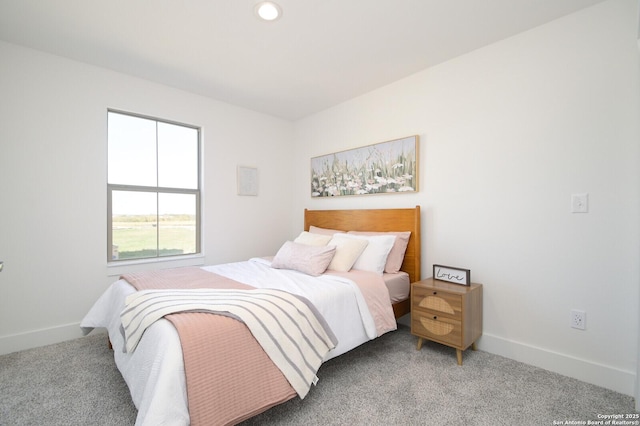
(312, 239)
(347, 251)
(312, 260)
(324, 231)
(374, 256)
(396, 255)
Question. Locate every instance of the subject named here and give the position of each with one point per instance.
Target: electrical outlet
(578, 319)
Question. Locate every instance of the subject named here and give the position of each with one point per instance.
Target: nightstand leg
(459, 354)
(419, 343)
(474, 347)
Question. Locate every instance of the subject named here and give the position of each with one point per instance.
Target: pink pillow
(311, 260)
(396, 255)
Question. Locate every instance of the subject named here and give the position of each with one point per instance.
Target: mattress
(399, 286)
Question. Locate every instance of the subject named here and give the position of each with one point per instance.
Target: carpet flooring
(383, 382)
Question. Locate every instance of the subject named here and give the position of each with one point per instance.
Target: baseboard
(598, 374)
(37, 338)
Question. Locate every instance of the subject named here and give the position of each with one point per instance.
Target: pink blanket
(229, 376)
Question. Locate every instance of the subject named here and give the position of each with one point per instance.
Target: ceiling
(319, 54)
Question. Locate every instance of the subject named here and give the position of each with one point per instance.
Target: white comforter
(154, 372)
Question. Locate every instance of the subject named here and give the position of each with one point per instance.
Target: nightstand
(450, 314)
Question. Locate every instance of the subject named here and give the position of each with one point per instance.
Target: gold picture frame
(389, 167)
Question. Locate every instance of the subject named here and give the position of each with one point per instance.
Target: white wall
(508, 133)
(53, 185)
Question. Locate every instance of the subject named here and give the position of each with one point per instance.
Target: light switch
(1, 265)
(580, 203)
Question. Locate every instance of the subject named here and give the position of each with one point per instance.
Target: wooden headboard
(378, 220)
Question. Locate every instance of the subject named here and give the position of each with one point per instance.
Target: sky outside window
(149, 153)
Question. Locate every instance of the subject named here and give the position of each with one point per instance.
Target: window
(153, 188)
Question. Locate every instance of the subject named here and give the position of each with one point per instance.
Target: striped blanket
(289, 329)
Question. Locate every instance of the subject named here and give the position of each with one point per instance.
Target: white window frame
(180, 259)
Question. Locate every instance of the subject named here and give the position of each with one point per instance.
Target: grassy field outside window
(136, 236)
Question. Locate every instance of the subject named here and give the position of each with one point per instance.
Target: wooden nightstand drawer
(436, 300)
(437, 328)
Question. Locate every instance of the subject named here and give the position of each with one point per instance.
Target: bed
(155, 370)
(378, 220)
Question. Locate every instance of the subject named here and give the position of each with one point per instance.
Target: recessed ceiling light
(268, 10)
